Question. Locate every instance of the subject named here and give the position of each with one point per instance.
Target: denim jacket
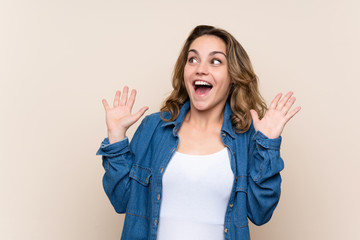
(133, 175)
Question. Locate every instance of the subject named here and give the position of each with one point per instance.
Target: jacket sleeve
(117, 161)
(264, 178)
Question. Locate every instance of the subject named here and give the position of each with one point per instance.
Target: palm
(275, 119)
(119, 118)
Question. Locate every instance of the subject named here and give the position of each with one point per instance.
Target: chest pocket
(240, 210)
(139, 201)
(140, 174)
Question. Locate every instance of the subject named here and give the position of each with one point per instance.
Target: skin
(207, 62)
(200, 130)
(119, 117)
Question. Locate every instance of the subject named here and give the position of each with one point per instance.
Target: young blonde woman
(209, 160)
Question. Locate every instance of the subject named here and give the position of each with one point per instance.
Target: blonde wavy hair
(244, 94)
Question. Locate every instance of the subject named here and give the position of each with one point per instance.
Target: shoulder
(153, 118)
(246, 136)
(151, 121)
(147, 128)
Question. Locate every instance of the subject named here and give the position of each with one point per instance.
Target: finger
(140, 112)
(292, 113)
(105, 104)
(288, 105)
(117, 98)
(124, 96)
(284, 100)
(275, 101)
(132, 99)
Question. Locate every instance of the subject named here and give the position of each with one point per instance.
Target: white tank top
(196, 191)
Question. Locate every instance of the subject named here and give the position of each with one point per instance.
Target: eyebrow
(212, 53)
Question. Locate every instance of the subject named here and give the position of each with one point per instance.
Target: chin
(201, 106)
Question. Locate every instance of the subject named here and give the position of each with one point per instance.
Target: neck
(212, 118)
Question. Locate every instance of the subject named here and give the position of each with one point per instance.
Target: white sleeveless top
(196, 191)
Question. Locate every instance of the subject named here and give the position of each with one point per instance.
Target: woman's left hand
(273, 123)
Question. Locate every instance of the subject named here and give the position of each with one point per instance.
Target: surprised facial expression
(206, 74)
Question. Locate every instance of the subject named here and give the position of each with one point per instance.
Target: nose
(202, 68)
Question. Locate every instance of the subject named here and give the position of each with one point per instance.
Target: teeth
(202, 83)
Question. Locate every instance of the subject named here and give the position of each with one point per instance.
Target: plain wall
(58, 59)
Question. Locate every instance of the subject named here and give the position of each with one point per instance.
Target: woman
(210, 160)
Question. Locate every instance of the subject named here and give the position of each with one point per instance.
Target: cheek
(226, 77)
(186, 72)
(187, 75)
(223, 77)
(225, 84)
(186, 80)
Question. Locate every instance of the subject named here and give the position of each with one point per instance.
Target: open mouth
(202, 87)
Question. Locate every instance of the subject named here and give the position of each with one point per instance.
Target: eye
(215, 61)
(192, 60)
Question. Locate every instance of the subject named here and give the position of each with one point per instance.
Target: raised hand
(119, 118)
(273, 123)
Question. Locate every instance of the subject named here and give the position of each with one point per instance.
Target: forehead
(208, 43)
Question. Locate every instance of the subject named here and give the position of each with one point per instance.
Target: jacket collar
(177, 122)
(226, 126)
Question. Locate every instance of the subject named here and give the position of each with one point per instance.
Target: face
(206, 75)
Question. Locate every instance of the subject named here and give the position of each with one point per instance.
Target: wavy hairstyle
(244, 94)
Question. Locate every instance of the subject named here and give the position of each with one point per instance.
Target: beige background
(58, 59)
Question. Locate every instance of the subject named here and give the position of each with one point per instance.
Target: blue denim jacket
(133, 175)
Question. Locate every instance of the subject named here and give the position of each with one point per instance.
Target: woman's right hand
(119, 117)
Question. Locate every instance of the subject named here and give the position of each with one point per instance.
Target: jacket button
(155, 222)
(223, 134)
(158, 198)
(226, 230)
(231, 205)
(162, 170)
